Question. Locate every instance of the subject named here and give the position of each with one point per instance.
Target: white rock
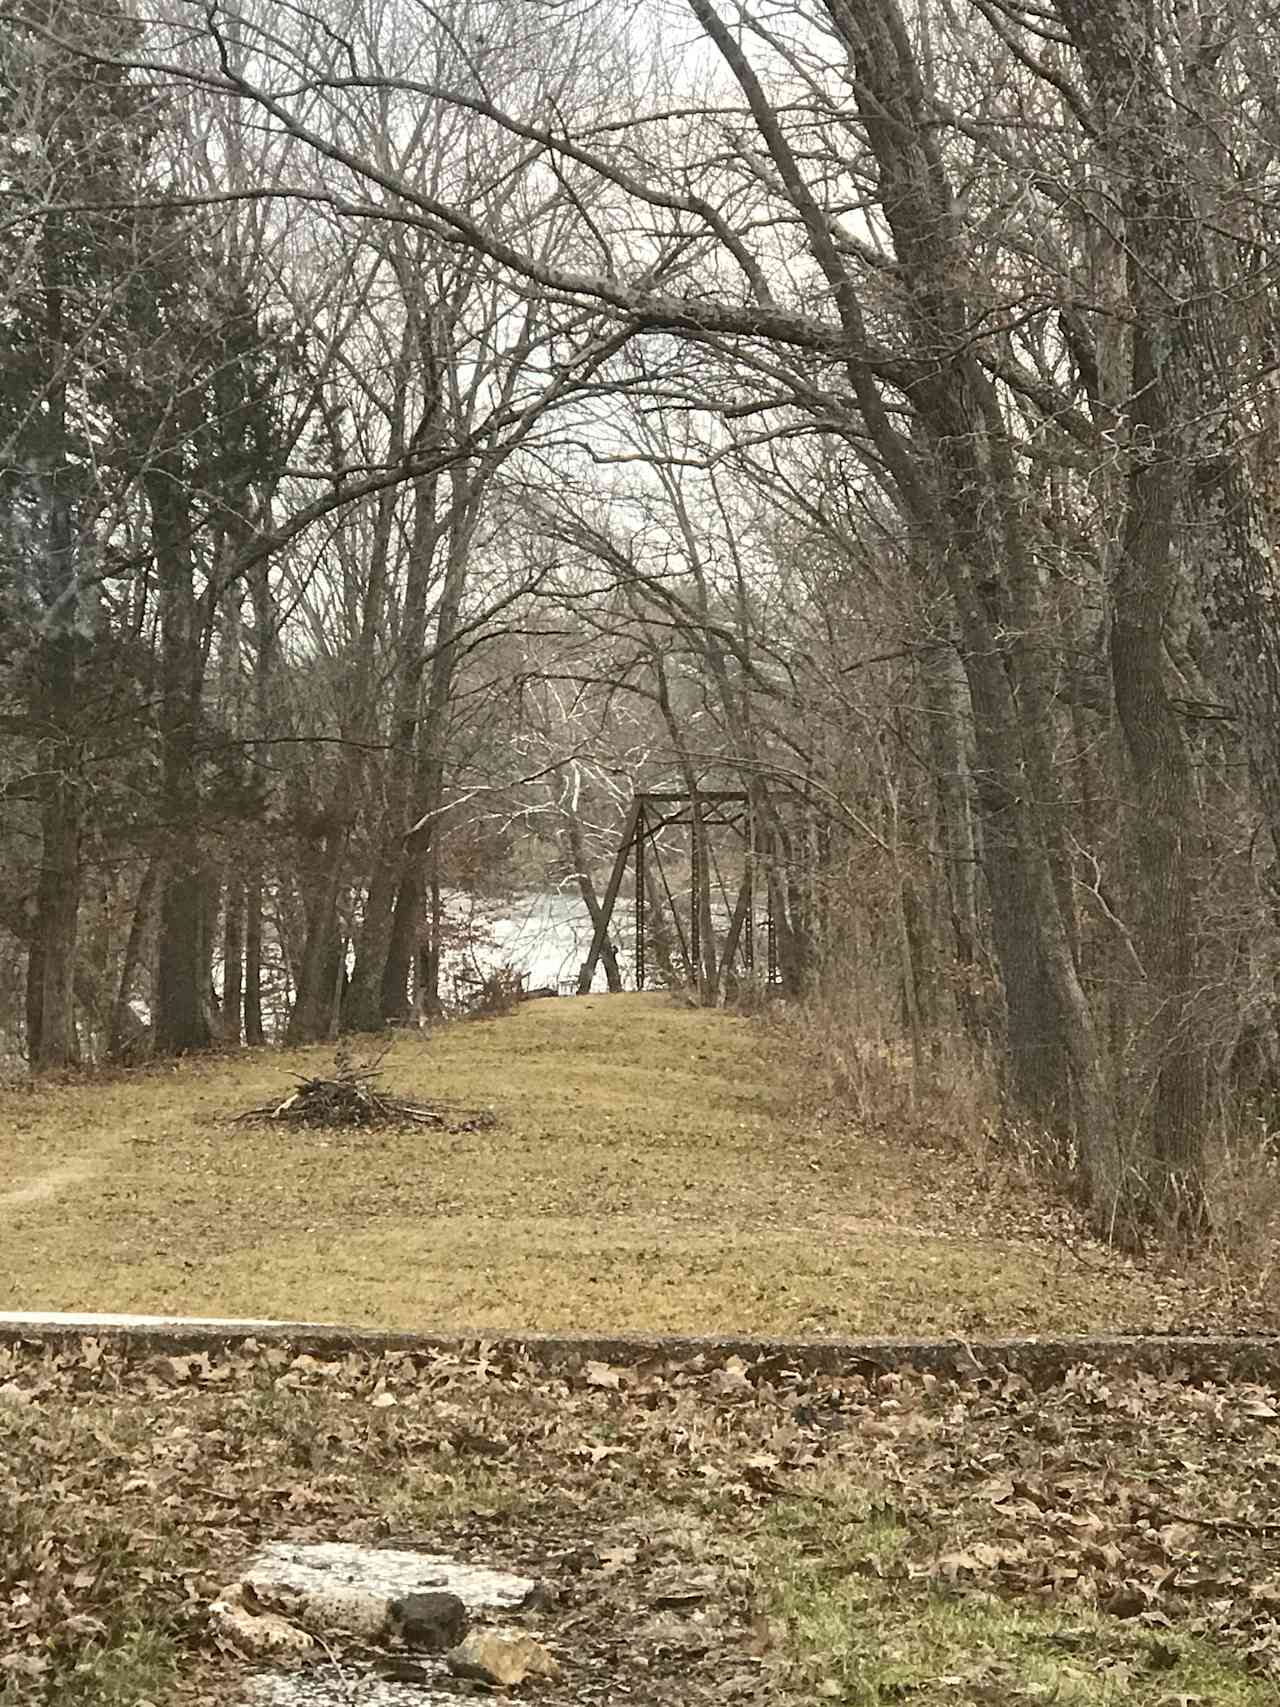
(386, 1572)
(337, 1584)
(253, 1630)
(327, 1609)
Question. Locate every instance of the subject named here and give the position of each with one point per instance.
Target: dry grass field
(652, 1168)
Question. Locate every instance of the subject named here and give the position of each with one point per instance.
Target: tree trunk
(364, 1008)
(51, 964)
(575, 843)
(124, 1025)
(233, 935)
(421, 841)
(960, 483)
(253, 1029)
(707, 961)
(1164, 805)
(266, 647)
(1172, 399)
(947, 721)
(51, 1032)
(181, 1021)
(658, 929)
(318, 971)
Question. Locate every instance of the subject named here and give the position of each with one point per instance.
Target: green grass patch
(855, 1628)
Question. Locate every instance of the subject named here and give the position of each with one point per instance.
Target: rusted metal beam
(670, 795)
(741, 917)
(601, 932)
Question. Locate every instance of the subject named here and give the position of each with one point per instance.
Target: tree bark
(970, 503)
(233, 935)
(318, 970)
(181, 1021)
(364, 1008)
(422, 839)
(253, 1028)
(51, 964)
(1169, 405)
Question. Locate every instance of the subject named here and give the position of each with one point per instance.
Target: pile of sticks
(351, 1097)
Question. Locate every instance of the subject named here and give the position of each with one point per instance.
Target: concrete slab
(317, 1569)
(390, 1572)
(1043, 1361)
(89, 1319)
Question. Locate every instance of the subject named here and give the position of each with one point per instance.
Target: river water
(545, 935)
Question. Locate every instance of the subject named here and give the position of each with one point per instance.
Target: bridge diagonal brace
(600, 934)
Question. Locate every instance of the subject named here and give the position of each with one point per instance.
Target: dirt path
(650, 1171)
(48, 1185)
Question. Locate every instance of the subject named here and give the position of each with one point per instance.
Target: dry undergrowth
(1007, 1175)
(652, 1168)
(706, 1532)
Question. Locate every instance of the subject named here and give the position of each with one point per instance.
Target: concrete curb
(1041, 1361)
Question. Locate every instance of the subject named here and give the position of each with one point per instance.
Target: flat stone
(388, 1572)
(333, 1575)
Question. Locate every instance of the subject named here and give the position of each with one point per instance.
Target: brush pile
(352, 1097)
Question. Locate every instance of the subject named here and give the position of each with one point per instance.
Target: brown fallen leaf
(601, 1375)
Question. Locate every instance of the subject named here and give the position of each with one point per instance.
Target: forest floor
(710, 1533)
(652, 1168)
(705, 1531)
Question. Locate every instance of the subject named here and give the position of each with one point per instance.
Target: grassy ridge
(653, 1168)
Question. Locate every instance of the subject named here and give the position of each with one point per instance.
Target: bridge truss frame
(698, 810)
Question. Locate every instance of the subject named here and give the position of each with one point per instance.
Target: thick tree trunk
(1172, 399)
(51, 964)
(181, 1023)
(948, 720)
(320, 965)
(421, 842)
(233, 934)
(51, 1031)
(181, 1020)
(406, 922)
(1164, 807)
(962, 485)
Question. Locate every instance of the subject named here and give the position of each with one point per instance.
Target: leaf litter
(697, 1532)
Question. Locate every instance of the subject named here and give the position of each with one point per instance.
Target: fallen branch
(350, 1097)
